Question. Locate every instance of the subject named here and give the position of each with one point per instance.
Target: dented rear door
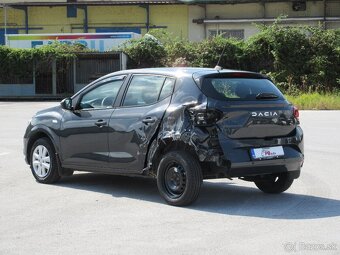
(134, 124)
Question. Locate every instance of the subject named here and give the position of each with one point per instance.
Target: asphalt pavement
(102, 214)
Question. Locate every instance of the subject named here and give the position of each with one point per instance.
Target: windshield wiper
(266, 96)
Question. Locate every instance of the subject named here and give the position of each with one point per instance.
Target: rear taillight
(296, 112)
(206, 117)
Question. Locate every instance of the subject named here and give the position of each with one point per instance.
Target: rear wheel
(179, 178)
(43, 161)
(275, 183)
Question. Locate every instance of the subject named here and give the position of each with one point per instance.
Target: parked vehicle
(179, 125)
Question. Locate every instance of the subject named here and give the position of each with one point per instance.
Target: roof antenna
(218, 67)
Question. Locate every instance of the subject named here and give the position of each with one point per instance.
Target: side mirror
(67, 104)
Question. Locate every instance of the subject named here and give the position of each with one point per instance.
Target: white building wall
(235, 11)
(198, 32)
(313, 9)
(333, 8)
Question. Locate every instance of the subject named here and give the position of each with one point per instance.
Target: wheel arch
(34, 136)
(158, 149)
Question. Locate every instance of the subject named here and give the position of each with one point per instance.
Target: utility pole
(5, 22)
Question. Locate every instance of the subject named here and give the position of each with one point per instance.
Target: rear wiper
(266, 96)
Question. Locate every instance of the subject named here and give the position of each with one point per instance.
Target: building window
(228, 33)
(72, 11)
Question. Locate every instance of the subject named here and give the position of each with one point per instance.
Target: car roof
(189, 72)
(177, 71)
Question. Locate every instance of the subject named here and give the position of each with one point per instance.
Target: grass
(316, 101)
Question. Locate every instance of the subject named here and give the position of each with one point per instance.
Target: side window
(167, 89)
(102, 96)
(143, 90)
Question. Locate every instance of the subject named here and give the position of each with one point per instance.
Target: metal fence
(90, 67)
(61, 77)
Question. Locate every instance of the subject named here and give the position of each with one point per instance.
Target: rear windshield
(238, 88)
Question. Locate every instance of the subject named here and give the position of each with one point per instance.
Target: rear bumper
(236, 154)
(264, 167)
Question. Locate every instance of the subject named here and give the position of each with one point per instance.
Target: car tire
(179, 178)
(43, 162)
(275, 184)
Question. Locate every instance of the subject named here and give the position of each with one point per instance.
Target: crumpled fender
(178, 129)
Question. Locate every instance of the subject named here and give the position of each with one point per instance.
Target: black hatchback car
(179, 125)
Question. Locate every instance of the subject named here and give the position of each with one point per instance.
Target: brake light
(206, 117)
(296, 112)
(240, 75)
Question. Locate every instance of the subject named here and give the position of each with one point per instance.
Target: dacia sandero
(178, 125)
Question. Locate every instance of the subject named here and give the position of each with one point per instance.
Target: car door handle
(148, 120)
(100, 123)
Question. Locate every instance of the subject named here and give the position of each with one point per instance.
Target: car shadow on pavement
(215, 197)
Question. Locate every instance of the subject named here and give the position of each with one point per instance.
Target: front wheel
(179, 178)
(43, 162)
(275, 183)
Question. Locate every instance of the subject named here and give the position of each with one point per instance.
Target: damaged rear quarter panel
(179, 131)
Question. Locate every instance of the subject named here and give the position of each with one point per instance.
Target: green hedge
(296, 58)
(16, 65)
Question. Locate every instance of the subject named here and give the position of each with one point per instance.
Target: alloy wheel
(41, 161)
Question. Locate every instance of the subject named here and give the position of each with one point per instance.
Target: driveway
(101, 214)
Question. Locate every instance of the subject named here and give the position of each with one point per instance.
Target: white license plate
(267, 153)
